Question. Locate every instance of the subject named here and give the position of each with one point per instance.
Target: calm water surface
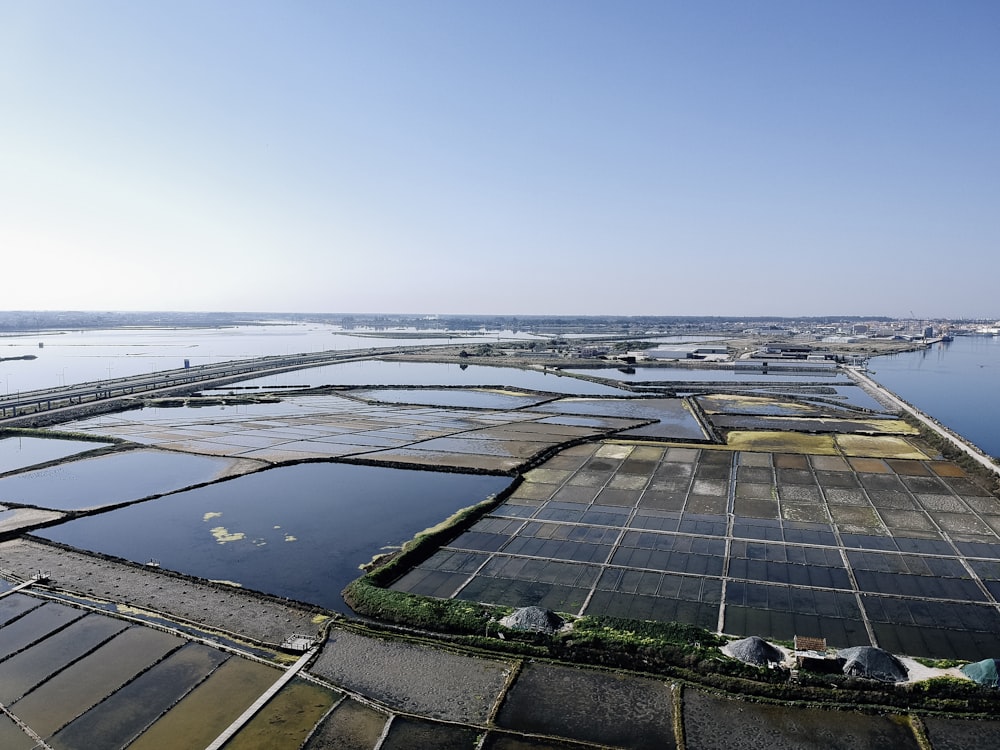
(110, 479)
(66, 357)
(956, 383)
(21, 452)
(379, 372)
(296, 531)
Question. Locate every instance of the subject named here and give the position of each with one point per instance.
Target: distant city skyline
(722, 158)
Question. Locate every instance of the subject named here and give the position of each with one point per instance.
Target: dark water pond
(21, 452)
(110, 479)
(296, 531)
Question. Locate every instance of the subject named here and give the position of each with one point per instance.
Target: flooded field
(110, 479)
(297, 531)
(902, 551)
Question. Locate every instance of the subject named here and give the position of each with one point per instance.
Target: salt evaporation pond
(22, 452)
(110, 479)
(295, 531)
(383, 372)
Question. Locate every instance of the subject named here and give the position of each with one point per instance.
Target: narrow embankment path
(958, 441)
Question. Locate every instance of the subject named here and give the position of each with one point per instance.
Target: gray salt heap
(537, 619)
(754, 650)
(874, 663)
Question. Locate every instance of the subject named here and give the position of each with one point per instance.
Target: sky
(549, 157)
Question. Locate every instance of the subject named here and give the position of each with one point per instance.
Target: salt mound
(754, 650)
(538, 619)
(874, 663)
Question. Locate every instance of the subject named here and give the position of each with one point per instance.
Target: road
(33, 402)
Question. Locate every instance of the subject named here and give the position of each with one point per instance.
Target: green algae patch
(781, 442)
(223, 535)
(880, 446)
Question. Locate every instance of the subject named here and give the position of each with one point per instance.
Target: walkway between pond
(262, 701)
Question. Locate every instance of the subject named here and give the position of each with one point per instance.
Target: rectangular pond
(22, 452)
(110, 479)
(297, 531)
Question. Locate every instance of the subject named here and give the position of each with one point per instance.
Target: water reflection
(380, 372)
(22, 452)
(67, 357)
(110, 479)
(955, 383)
(303, 530)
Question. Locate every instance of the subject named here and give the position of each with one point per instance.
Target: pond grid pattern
(899, 553)
(82, 679)
(320, 427)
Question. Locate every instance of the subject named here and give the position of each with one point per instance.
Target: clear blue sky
(507, 157)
